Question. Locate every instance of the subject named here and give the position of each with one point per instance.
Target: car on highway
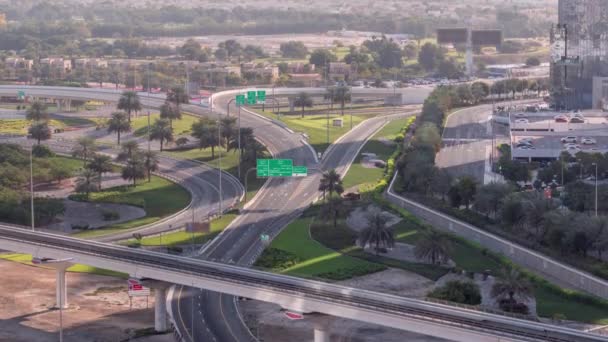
(522, 121)
(520, 115)
(588, 141)
(526, 141)
(572, 148)
(569, 139)
(577, 119)
(526, 147)
(561, 118)
(572, 145)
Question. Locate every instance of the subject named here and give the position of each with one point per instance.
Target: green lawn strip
(311, 258)
(139, 124)
(26, 259)
(550, 302)
(183, 238)
(159, 198)
(229, 159)
(357, 174)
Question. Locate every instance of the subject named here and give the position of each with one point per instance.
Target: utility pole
(32, 186)
(595, 164)
(239, 142)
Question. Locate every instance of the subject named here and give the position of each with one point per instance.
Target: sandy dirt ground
(98, 307)
(270, 323)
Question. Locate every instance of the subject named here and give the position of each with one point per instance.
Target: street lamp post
(595, 164)
(32, 186)
(246, 178)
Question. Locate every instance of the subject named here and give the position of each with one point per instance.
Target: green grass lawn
(160, 198)
(549, 303)
(313, 259)
(315, 126)
(139, 125)
(26, 259)
(361, 176)
(183, 237)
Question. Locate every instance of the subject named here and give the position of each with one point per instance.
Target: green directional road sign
(262, 167)
(300, 171)
(21, 95)
(280, 168)
(261, 96)
(251, 97)
(240, 100)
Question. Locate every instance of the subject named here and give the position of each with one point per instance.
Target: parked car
(526, 141)
(573, 148)
(520, 115)
(561, 118)
(526, 147)
(577, 119)
(569, 139)
(588, 141)
(570, 145)
(522, 121)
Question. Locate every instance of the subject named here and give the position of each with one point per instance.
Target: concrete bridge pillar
(321, 334)
(60, 266)
(160, 303)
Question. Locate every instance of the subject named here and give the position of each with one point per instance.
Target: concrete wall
(518, 254)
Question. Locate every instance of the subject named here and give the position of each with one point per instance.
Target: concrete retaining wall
(520, 255)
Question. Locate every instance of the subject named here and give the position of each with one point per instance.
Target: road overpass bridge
(294, 293)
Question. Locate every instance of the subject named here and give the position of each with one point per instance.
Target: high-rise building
(579, 51)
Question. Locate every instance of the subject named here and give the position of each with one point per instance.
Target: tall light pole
(219, 150)
(595, 164)
(32, 185)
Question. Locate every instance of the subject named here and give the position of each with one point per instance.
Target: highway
(294, 293)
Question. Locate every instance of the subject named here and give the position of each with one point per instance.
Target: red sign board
(134, 284)
(294, 316)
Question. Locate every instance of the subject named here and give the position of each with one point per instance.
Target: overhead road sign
(279, 168)
(261, 95)
(240, 100)
(486, 37)
(251, 97)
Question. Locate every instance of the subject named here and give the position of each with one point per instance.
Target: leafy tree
(129, 102)
(40, 130)
(134, 170)
(229, 130)
(428, 134)
(322, 57)
(37, 112)
(60, 171)
(150, 162)
(510, 284)
(448, 68)
(232, 47)
(430, 56)
(479, 90)
(512, 211)
(191, 50)
(490, 197)
(441, 182)
(169, 111)
(433, 246)
(119, 123)
(161, 131)
(84, 148)
(303, 100)
(101, 164)
(376, 232)
(206, 132)
(294, 49)
(331, 182)
(458, 292)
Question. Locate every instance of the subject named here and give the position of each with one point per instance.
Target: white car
(528, 141)
(569, 140)
(526, 147)
(588, 141)
(522, 121)
(573, 148)
(572, 145)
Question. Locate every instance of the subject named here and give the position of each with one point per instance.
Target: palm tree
(334, 209)
(205, 131)
(303, 100)
(84, 148)
(331, 182)
(129, 102)
(170, 111)
(150, 161)
(510, 284)
(134, 170)
(377, 232)
(228, 129)
(101, 164)
(330, 95)
(161, 131)
(40, 130)
(86, 182)
(433, 246)
(119, 123)
(341, 95)
(247, 139)
(177, 95)
(37, 112)
(128, 150)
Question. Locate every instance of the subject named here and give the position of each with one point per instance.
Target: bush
(458, 292)
(512, 306)
(110, 215)
(277, 259)
(80, 227)
(42, 151)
